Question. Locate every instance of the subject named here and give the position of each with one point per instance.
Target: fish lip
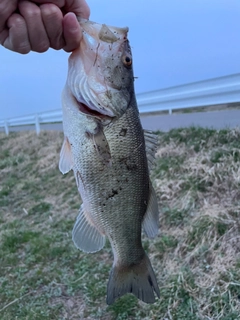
(87, 110)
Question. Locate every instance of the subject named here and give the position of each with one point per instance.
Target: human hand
(39, 25)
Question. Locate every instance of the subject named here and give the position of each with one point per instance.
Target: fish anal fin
(85, 235)
(138, 279)
(151, 217)
(151, 144)
(66, 158)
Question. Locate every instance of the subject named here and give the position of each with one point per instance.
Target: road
(214, 119)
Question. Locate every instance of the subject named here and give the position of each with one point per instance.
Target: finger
(17, 39)
(36, 31)
(4, 34)
(6, 9)
(79, 7)
(52, 18)
(71, 31)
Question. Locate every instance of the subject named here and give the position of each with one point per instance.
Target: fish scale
(105, 146)
(118, 175)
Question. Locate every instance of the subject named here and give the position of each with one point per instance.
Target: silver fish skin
(110, 154)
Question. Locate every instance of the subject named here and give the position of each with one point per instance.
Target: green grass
(196, 255)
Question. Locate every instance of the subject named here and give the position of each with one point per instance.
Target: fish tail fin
(138, 279)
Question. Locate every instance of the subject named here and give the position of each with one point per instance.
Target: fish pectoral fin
(85, 235)
(151, 144)
(151, 218)
(101, 146)
(66, 158)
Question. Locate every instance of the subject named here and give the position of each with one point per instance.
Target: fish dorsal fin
(66, 158)
(151, 144)
(106, 35)
(101, 146)
(151, 218)
(85, 235)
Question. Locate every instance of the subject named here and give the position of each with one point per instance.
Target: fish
(110, 155)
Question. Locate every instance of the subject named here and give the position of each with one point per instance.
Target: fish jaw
(98, 76)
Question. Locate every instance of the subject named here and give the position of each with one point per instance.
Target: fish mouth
(84, 108)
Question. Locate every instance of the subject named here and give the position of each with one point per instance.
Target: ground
(196, 256)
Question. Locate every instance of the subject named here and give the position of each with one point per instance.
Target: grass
(196, 255)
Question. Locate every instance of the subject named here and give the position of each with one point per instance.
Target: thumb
(72, 32)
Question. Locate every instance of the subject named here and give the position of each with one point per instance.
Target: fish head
(100, 74)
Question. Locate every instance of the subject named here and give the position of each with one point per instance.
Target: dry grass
(196, 256)
(197, 179)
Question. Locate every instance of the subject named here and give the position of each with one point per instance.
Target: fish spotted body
(109, 153)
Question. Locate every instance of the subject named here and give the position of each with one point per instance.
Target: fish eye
(127, 61)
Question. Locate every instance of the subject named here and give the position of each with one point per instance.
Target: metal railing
(198, 94)
(33, 119)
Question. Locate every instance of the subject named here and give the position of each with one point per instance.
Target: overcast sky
(173, 42)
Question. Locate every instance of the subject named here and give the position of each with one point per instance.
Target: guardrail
(197, 94)
(33, 119)
(202, 93)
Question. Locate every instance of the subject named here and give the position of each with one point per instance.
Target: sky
(173, 42)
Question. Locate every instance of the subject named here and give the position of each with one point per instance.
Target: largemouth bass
(110, 154)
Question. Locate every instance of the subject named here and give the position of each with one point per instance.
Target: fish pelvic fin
(138, 279)
(151, 217)
(85, 235)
